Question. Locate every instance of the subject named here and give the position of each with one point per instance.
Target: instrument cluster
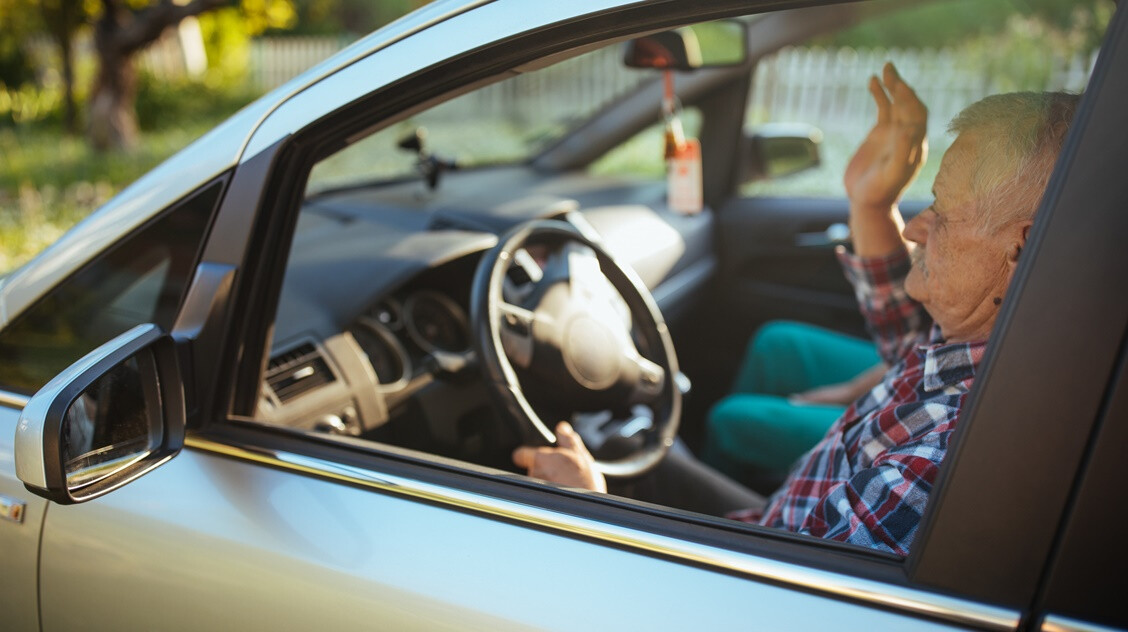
(402, 338)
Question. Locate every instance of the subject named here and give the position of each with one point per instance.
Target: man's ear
(1019, 235)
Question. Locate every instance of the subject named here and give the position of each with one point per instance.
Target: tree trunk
(63, 19)
(70, 111)
(113, 119)
(118, 35)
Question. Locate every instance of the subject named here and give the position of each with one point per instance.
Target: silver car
(275, 383)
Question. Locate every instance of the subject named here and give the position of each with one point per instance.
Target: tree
(17, 17)
(60, 20)
(63, 19)
(119, 34)
(121, 31)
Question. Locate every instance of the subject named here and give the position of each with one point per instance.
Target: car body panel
(19, 541)
(1077, 585)
(290, 551)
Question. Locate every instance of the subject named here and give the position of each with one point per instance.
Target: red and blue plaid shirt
(867, 482)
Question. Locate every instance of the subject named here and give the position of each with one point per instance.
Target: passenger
(930, 308)
(795, 380)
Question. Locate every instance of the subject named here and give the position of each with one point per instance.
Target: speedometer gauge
(436, 323)
(388, 359)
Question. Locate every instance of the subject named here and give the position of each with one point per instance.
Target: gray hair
(1019, 137)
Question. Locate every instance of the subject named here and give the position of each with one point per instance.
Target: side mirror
(776, 150)
(707, 45)
(109, 418)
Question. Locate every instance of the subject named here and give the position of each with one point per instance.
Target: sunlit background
(81, 117)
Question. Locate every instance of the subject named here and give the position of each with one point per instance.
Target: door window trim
(836, 585)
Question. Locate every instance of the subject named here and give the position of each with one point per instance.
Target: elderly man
(930, 309)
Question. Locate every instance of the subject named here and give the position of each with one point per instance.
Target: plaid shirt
(867, 482)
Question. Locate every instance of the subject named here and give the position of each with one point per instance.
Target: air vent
(297, 371)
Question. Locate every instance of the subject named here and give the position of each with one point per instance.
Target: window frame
(296, 156)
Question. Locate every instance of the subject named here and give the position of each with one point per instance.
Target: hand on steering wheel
(565, 349)
(568, 463)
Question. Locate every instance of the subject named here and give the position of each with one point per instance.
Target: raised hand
(885, 164)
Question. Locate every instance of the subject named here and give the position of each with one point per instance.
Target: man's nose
(917, 228)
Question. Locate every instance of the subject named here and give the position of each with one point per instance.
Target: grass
(50, 181)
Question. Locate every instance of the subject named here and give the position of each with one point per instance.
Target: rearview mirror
(707, 45)
(111, 417)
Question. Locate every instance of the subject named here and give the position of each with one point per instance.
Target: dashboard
(372, 336)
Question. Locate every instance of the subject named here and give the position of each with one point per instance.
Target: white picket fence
(830, 87)
(572, 89)
(827, 86)
(276, 60)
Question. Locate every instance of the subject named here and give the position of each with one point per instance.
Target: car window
(140, 280)
(823, 82)
(506, 122)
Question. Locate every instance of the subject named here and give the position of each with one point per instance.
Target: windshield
(503, 123)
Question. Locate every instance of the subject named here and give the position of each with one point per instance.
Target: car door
(142, 278)
(255, 526)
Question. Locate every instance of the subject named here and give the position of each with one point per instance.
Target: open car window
(375, 337)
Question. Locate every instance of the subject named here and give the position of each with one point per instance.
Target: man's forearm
(876, 232)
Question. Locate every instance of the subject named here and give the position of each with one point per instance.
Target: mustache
(916, 257)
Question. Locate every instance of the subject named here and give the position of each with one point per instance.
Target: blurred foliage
(163, 104)
(15, 67)
(1033, 47)
(29, 104)
(31, 97)
(227, 43)
(721, 42)
(17, 17)
(260, 15)
(332, 17)
(227, 33)
(940, 24)
(50, 180)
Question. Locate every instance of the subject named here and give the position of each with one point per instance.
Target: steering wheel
(569, 333)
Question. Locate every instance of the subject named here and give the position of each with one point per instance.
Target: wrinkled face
(959, 269)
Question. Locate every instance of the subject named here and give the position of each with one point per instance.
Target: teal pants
(756, 428)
